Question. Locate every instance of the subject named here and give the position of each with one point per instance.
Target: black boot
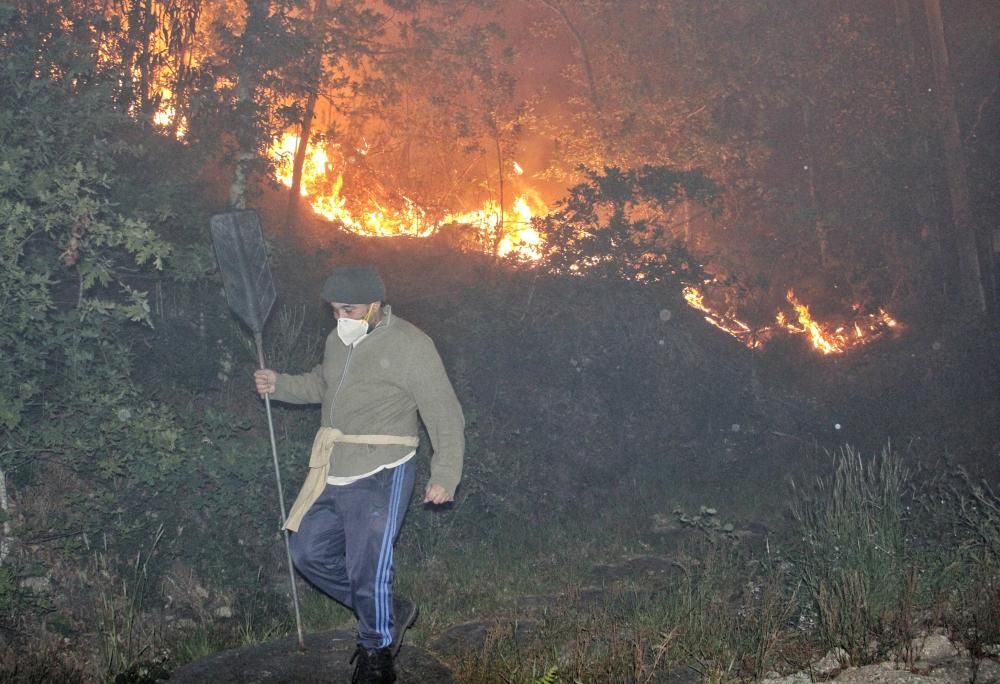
(373, 666)
(404, 614)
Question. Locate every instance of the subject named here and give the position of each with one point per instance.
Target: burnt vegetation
(652, 492)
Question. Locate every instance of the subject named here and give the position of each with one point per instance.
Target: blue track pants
(344, 544)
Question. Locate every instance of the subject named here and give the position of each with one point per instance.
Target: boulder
(325, 660)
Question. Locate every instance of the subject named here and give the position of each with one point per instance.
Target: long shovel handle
(258, 339)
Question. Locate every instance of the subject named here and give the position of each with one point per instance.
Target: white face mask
(350, 330)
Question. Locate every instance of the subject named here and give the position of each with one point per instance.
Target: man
(378, 373)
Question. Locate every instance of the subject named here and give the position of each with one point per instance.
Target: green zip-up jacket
(378, 387)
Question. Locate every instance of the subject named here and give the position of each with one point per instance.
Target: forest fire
(509, 231)
(182, 181)
(861, 331)
(166, 117)
(321, 186)
(858, 332)
(735, 327)
(517, 236)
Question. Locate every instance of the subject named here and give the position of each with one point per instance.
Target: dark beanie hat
(353, 285)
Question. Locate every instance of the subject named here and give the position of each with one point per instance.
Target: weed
(969, 575)
(197, 643)
(972, 510)
(549, 677)
(125, 636)
(707, 520)
(854, 556)
(36, 667)
(320, 612)
(254, 627)
(286, 345)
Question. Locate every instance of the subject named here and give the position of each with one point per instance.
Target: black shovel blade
(242, 258)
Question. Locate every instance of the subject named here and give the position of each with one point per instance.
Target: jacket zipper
(343, 376)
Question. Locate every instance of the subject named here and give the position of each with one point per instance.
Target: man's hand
(265, 379)
(436, 494)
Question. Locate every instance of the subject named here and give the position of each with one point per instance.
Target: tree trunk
(145, 59)
(820, 227)
(584, 53)
(298, 162)
(923, 194)
(5, 534)
(969, 271)
(246, 109)
(305, 130)
(498, 237)
(185, 23)
(127, 44)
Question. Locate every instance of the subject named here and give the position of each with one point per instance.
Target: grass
(725, 614)
(862, 577)
(968, 576)
(126, 637)
(885, 557)
(867, 574)
(855, 561)
(714, 619)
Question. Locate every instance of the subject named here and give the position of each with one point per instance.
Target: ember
(865, 329)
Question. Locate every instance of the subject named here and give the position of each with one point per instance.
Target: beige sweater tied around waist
(319, 466)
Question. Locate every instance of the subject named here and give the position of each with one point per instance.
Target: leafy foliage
(616, 224)
(103, 456)
(67, 256)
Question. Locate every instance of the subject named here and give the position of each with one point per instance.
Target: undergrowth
(883, 554)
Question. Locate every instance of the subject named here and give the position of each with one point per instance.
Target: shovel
(242, 258)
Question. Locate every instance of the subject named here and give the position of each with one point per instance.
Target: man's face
(355, 311)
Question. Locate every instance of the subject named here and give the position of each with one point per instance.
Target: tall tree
(922, 186)
(410, 108)
(250, 62)
(966, 243)
(313, 74)
(560, 9)
(340, 37)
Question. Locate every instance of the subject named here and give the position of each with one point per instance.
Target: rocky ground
(934, 657)
(326, 656)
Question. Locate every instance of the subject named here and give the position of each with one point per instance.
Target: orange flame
(516, 236)
(823, 340)
(754, 339)
(166, 115)
(511, 233)
(866, 329)
(519, 238)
